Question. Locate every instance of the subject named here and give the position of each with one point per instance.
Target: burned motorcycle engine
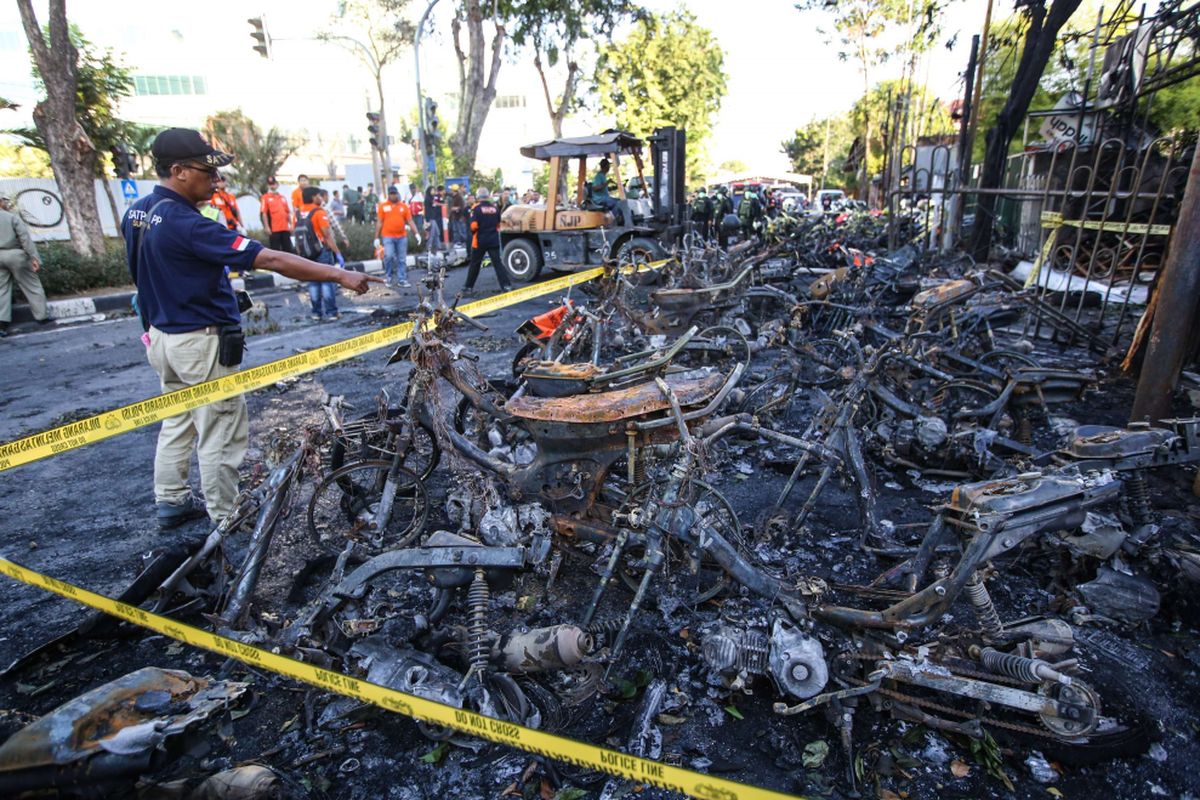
(794, 660)
(916, 438)
(731, 650)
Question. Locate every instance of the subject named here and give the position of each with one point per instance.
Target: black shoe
(45, 321)
(172, 515)
(3, 329)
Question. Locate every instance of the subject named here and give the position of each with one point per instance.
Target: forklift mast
(668, 160)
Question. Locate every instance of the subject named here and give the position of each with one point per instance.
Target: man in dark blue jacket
(485, 225)
(177, 258)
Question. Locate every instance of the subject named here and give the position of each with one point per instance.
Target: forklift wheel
(523, 261)
(640, 250)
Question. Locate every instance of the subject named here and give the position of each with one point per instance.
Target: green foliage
(103, 81)
(628, 689)
(735, 166)
(1176, 109)
(570, 793)
(555, 31)
(1064, 72)
(435, 755)
(66, 272)
(377, 32)
(258, 155)
(668, 71)
(928, 116)
(554, 27)
(986, 753)
(541, 179)
(807, 148)
(361, 236)
(22, 161)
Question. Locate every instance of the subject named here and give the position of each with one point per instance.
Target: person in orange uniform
(276, 217)
(226, 203)
(312, 221)
(394, 220)
(298, 195)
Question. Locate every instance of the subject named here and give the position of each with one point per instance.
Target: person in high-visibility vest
(226, 203)
(276, 217)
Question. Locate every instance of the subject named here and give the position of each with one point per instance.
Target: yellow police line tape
(571, 751)
(156, 409)
(1053, 219)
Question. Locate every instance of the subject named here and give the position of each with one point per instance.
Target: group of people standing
(310, 224)
(718, 215)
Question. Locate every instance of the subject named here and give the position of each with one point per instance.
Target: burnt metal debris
(720, 452)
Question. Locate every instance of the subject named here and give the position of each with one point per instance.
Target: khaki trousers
(15, 266)
(219, 431)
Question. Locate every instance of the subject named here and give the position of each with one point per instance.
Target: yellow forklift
(568, 232)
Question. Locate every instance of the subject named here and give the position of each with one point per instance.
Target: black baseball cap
(175, 145)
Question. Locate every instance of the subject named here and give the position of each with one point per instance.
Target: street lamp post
(426, 160)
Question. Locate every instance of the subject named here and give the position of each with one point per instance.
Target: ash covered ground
(87, 517)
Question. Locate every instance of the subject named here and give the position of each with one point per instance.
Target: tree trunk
(112, 204)
(559, 113)
(1036, 52)
(864, 184)
(476, 93)
(72, 153)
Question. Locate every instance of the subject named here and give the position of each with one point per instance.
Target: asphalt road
(86, 515)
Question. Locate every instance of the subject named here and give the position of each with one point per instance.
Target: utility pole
(973, 122)
(428, 162)
(825, 153)
(958, 200)
(375, 166)
(1176, 312)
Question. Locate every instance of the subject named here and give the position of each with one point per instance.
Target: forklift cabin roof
(581, 146)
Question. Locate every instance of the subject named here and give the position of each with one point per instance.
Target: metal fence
(1087, 208)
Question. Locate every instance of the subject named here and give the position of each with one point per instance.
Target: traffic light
(258, 32)
(125, 163)
(375, 130)
(432, 124)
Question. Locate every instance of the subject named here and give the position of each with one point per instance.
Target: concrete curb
(79, 307)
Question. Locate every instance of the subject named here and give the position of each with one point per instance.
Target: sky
(781, 71)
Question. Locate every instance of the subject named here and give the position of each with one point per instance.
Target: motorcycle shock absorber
(1138, 494)
(1020, 668)
(478, 647)
(1024, 428)
(984, 608)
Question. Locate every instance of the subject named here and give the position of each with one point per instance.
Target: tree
(20, 161)
(257, 155)
(866, 30)
(734, 165)
(809, 147)
(822, 146)
(668, 71)
(554, 30)
(1040, 37)
(478, 68)
(926, 116)
(72, 152)
(377, 32)
(103, 80)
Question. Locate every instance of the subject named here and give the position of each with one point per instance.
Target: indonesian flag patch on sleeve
(240, 243)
